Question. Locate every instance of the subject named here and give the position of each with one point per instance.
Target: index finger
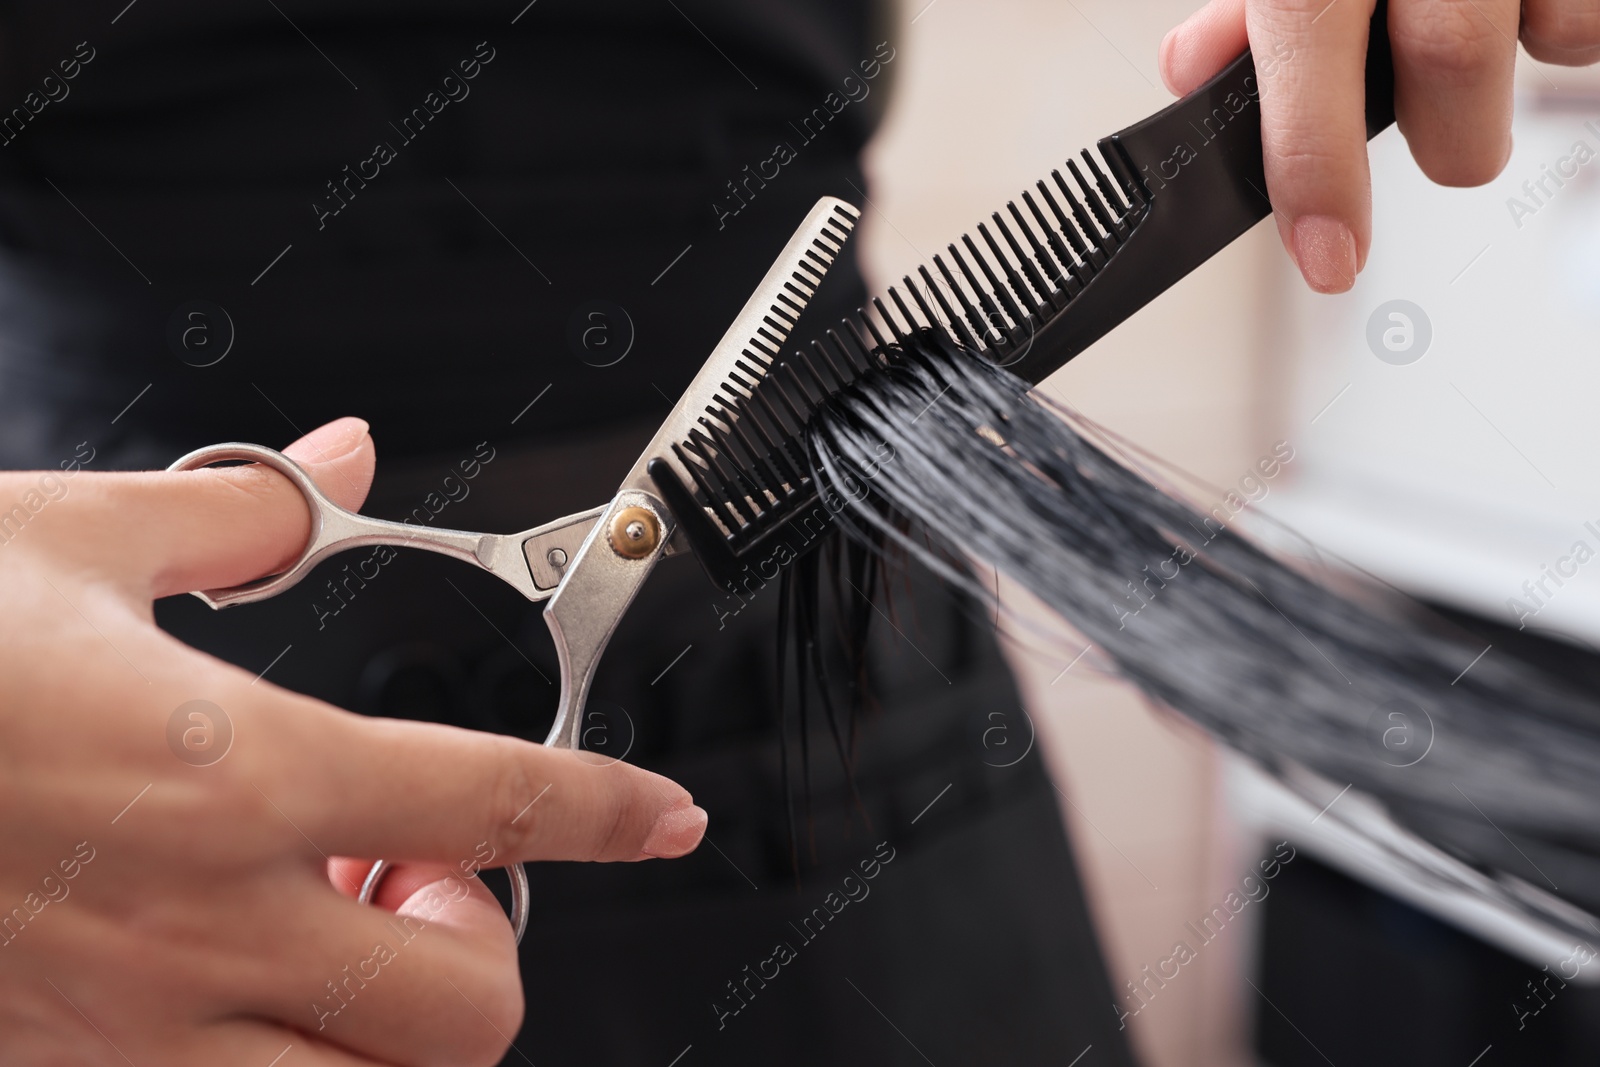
(422, 791)
(1313, 132)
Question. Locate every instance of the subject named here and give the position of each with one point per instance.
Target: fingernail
(334, 441)
(676, 832)
(1325, 249)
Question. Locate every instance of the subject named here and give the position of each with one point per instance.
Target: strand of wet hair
(1276, 665)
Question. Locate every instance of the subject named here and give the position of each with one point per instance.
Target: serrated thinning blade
(756, 337)
(603, 578)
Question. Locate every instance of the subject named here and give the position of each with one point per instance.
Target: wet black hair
(940, 456)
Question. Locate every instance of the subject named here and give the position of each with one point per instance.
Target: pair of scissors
(586, 567)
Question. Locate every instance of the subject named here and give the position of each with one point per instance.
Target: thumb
(179, 531)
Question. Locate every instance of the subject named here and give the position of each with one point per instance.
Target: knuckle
(225, 792)
(257, 484)
(600, 810)
(1452, 43)
(1301, 171)
(514, 820)
(1296, 11)
(616, 818)
(1297, 163)
(235, 820)
(234, 799)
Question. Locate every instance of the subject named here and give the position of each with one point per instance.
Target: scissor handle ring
(316, 503)
(316, 548)
(519, 892)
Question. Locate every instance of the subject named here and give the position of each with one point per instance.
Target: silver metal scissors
(586, 567)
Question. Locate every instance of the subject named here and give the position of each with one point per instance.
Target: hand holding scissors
(169, 819)
(589, 566)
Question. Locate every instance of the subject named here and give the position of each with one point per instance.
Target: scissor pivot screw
(635, 532)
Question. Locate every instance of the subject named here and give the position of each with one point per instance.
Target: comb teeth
(996, 290)
(991, 292)
(1014, 291)
(741, 452)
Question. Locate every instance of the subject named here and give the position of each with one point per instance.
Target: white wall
(1462, 474)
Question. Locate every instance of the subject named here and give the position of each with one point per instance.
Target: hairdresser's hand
(1453, 78)
(157, 907)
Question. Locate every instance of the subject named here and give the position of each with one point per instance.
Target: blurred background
(1448, 451)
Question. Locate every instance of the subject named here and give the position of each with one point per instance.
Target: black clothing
(201, 140)
(201, 155)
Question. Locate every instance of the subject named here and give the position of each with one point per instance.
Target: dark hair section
(939, 455)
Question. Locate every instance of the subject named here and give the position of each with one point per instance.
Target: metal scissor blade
(635, 530)
(754, 340)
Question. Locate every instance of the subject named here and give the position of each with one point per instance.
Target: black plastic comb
(1039, 283)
